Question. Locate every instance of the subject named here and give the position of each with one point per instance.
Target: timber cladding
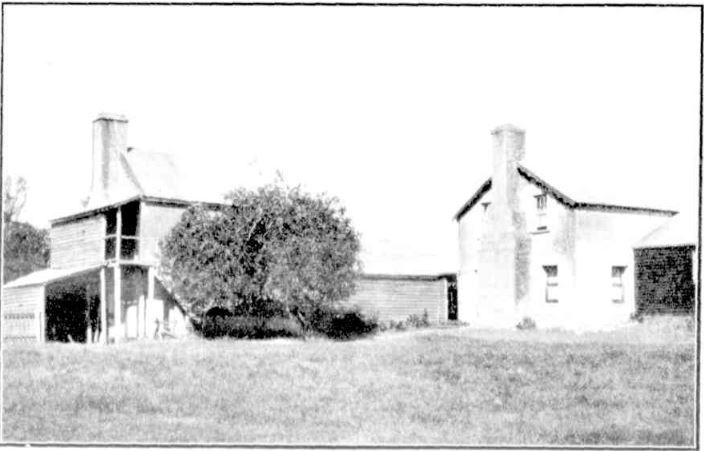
(395, 298)
(22, 312)
(665, 280)
(155, 224)
(78, 243)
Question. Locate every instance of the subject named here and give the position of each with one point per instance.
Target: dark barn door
(664, 280)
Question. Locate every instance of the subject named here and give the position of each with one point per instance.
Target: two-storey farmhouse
(528, 250)
(102, 274)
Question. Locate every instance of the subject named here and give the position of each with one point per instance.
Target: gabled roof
(557, 195)
(678, 231)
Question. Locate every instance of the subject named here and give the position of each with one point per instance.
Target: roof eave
(150, 199)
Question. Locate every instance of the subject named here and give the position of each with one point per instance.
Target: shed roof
(559, 196)
(682, 230)
(47, 275)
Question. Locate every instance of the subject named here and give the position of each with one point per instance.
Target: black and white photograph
(351, 224)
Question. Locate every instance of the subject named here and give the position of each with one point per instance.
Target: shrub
(229, 325)
(526, 323)
(276, 248)
(418, 320)
(343, 324)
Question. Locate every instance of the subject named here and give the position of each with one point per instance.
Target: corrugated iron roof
(47, 275)
(682, 230)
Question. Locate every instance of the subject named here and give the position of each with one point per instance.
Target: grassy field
(634, 386)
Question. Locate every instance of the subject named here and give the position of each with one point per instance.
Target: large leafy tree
(26, 248)
(276, 250)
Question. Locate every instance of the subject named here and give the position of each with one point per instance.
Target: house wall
(396, 298)
(155, 223)
(23, 313)
(606, 239)
(77, 243)
(479, 292)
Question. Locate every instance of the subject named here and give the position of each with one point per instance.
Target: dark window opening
(111, 222)
(126, 228)
(110, 248)
(130, 219)
(128, 248)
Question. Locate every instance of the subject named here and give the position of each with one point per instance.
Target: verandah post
(103, 309)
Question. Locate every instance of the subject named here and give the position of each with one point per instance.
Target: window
(541, 204)
(122, 222)
(486, 206)
(617, 283)
(110, 234)
(551, 285)
(541, 201)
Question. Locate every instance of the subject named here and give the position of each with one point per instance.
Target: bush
(526, 323)
(229, 325)
(418, 320)
(343, 324)
(276, 248)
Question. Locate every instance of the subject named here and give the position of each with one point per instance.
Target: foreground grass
(454, 386)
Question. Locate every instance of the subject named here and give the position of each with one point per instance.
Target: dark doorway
(73, 309)
(664, 280)
(451, 296)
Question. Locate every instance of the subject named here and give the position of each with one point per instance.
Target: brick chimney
(504, 246)
(109, 141)
(508, 151)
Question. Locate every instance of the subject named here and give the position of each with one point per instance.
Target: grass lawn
(634, 386)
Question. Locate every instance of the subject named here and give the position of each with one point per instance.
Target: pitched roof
(149, 175)
(557, 195)
(154, 174)
(682, 230)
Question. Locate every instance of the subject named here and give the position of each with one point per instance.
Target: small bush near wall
(527, 323)
(413, 321)
(418, 320)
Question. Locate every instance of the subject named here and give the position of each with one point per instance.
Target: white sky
(389, 109)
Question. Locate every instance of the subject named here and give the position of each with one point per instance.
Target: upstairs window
(541, 204)
(551, 285)
(617, 294)
(129, 242)
(122, 222)
(110, 234)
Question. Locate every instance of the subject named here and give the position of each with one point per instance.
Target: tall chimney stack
(109, 141)
(508, 151)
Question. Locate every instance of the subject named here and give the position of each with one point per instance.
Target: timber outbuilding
(102, 283)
